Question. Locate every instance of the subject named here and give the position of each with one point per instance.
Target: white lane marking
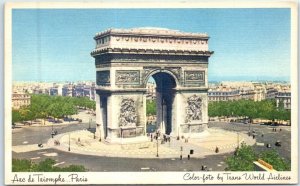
(42, 152)
(25, 142)
(50, 154)
(35, 158)
(58, 164)
(260, 144)
(26, 148)
(145, 168)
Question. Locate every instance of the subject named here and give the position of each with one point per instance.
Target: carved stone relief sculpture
(128, 115)
(193, 110)
(127, 77)
(191, 76)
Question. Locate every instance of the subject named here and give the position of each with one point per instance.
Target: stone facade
(20, 100)
(126, 58)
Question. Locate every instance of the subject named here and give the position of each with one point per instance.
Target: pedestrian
(217, 150)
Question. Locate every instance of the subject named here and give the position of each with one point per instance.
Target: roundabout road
(33, 135)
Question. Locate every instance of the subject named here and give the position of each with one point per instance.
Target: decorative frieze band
(129, 77)
(194, 77)
(99, 51)
(162, 40)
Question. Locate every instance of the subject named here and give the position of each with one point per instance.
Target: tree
(55, 110)
(44, 166)
(43, 106)
(265, 109)
(21, 165)
(73, 168)
(150, 107)
(242, 160)
(40, 104)
(16, 116)
(68, 109)
(47, 165)
(273, 158)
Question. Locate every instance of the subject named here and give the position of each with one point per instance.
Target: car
(278, 143)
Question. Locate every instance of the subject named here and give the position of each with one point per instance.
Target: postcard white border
(150, 177)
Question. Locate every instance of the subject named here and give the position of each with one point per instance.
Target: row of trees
(47, 165)
(44, 106)
(265, 109)
(243, 159)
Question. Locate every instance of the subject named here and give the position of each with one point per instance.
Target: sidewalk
(83, 142)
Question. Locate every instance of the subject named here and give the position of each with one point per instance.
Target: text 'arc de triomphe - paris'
(125, 59)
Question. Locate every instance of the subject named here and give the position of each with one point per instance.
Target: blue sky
(55, 44)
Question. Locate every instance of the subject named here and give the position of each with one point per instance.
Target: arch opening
(162, 100)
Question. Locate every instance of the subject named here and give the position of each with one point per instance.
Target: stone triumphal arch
(126, 58)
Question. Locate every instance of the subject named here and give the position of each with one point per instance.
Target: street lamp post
(249, 127)
(52, 132)
(69, 143)
(181, 149)
(90, 123)
(100, 133)
(156, 143)
(238, 140)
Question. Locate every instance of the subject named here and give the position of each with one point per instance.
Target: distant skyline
(55, 44)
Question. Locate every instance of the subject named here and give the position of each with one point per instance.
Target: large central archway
(165, 93)
(126, 59)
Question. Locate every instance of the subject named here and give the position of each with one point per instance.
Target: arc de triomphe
(126, 58)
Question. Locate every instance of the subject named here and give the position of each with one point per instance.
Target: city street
(34, 135)
(269, 136)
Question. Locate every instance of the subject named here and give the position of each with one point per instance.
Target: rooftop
(151, 31)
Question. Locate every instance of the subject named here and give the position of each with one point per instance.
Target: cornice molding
(100, 51)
